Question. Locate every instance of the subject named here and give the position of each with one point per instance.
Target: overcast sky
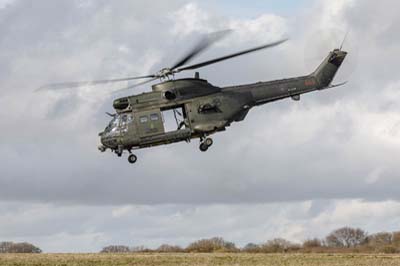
(291, 169)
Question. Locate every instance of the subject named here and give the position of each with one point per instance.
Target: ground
(199, 259)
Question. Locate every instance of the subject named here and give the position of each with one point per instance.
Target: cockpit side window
(113, 125)
(123, 119)
(123, 125)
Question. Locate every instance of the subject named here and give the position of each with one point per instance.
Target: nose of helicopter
(102, 139)
(103, 147)
(107, 141)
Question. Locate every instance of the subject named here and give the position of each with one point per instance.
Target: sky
(292, 169)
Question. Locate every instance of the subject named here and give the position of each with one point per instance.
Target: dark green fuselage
(206, 109)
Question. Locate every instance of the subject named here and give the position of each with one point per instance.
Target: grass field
(199, 259)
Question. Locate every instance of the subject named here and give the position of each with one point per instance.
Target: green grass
(198, 259)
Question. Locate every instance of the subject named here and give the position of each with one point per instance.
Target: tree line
(10, 247)
(345, 239)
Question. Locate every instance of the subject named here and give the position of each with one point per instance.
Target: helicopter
(200, 109)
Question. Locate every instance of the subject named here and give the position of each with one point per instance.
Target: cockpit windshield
(113, 125)
(118, 123)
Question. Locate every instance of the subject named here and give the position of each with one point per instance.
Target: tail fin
(326, 72)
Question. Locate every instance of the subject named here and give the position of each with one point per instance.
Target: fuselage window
(143, 119)
(123, 119)
(154, 117)
(130, 118)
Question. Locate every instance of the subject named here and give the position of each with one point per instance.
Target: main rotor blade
(136, 85)
(66, 85)
(213, 61)
(202, 45)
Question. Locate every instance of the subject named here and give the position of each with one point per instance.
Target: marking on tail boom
(309, 82)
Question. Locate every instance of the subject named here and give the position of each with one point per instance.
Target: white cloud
(265, 28)
(190, 18)
(332, 14)
(367, 215)
(62, 228)
(121, 211)
(374, 176)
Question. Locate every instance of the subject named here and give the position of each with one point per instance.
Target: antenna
(344, 39)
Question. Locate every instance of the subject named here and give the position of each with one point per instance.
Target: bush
(140, 249)
(312, 243)
(216, 244)
(380, 240)
(389, 249)
(115, 249)
(278, 245)
(5, 247)
(9, 247)
(169, 248)
(251, 248)
(396, 239)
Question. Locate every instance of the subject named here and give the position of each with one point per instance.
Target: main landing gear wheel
(206, 144)
(132, 158)
(209, 142)
(203, 147)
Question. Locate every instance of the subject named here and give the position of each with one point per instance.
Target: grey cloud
(324, 147)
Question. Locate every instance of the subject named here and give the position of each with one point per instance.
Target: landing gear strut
(205, 144)
(120, 150)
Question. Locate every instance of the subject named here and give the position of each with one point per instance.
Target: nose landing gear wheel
(132, 158)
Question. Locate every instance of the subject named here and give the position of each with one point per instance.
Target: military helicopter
(200, 108)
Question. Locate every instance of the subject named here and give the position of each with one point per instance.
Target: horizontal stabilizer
(337, 85)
